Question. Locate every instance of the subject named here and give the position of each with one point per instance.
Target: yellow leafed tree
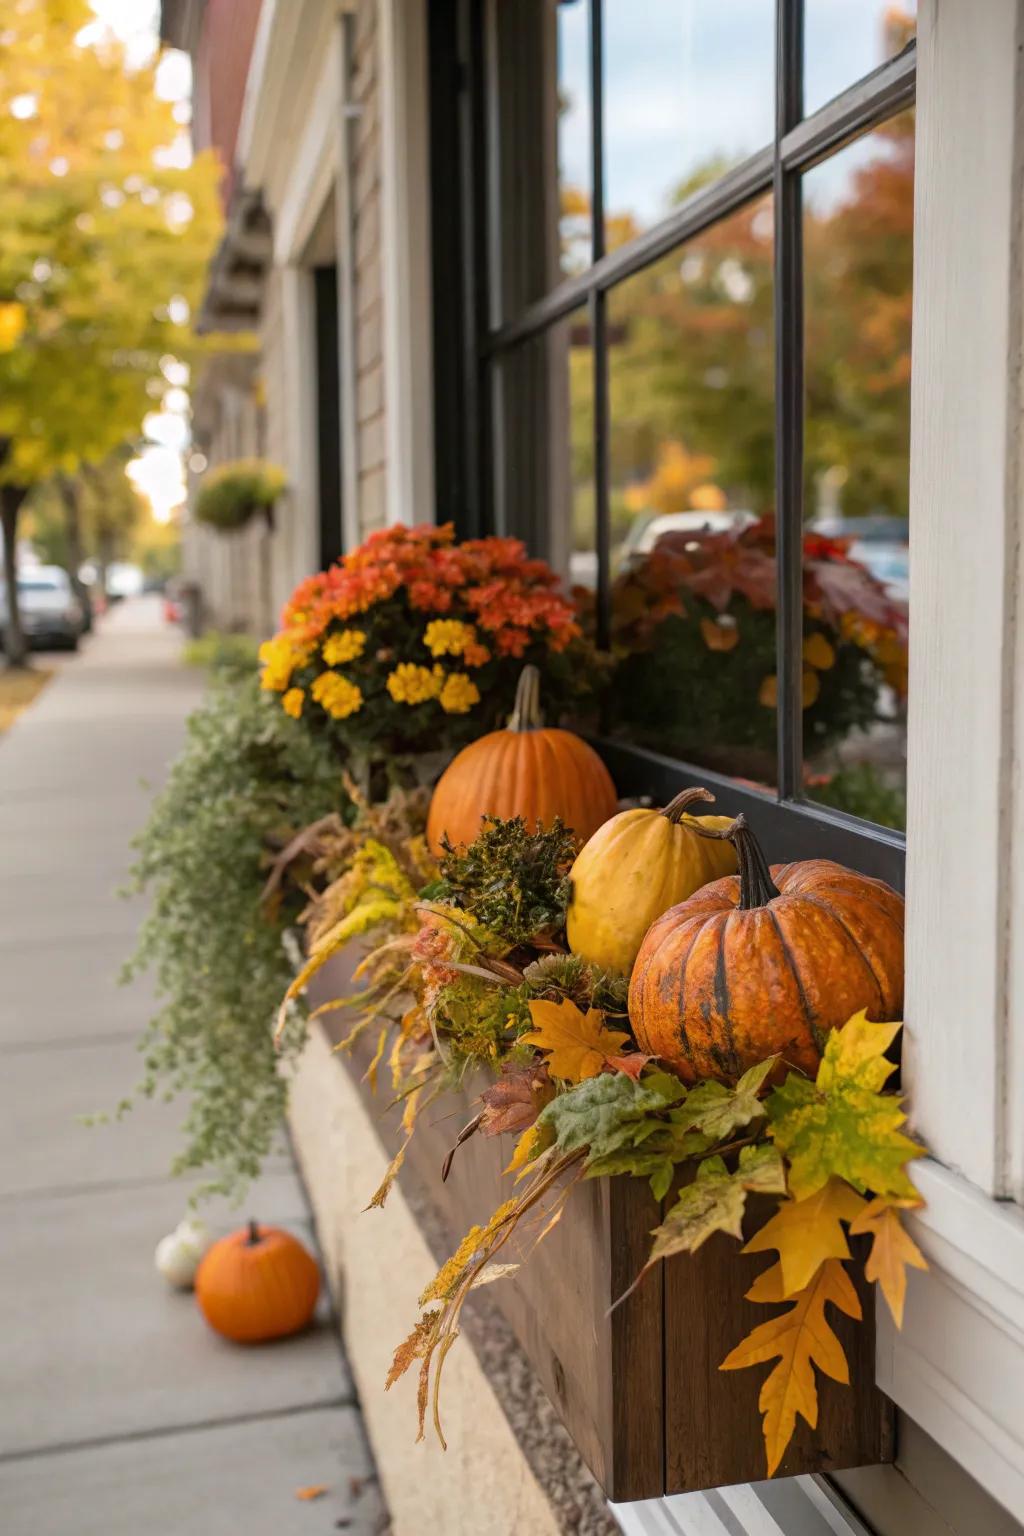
(106, 228)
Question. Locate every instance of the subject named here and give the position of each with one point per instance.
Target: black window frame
(467, 346)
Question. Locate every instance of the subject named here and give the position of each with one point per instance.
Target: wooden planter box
(638, 1389)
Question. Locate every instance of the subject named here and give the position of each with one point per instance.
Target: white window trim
(958, 1366)
(405, 252)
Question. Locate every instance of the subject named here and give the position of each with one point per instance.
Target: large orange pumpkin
(257, 1284)
(529, 770)
(763, 962)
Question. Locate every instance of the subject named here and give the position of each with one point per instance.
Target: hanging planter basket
(232, 494)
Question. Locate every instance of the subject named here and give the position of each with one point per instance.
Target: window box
(638, 1388)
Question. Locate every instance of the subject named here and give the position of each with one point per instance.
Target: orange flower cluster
(507, 595)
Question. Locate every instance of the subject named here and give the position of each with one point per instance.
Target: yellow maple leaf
(807, 1232)
(578, 1044)
(892, 1249)
(856, 1053)
(799, 1339)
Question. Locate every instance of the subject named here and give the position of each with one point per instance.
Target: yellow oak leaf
(799, 1340)
(892, 1249)
(578, 1044)
(807, 1232)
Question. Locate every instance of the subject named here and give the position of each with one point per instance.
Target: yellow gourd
(633, 869)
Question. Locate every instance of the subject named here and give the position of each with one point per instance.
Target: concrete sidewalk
(120, 1412)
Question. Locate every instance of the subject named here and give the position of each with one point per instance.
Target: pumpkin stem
(676, 808)
(526, 715)
(757, 888)
(254, 1234)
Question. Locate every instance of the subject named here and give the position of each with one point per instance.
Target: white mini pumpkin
(178, 1254)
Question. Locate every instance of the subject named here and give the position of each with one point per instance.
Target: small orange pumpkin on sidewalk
(529, 770)
(767, 961)
(257, 1284)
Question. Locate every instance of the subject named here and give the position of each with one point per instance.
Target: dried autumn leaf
(415, 1347)
(516, 1099)
(842, 1125)
(391, 1173)
(892, 1249)
(632, 1064)
(800, 1340)
(808, 1232)
(578, 1044)
(529, 1146)
(718, 1111)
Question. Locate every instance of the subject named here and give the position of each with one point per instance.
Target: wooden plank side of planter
(712, 1422)
(638, 1388)
(602, 1369)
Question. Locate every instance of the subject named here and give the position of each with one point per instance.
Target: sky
(695, 80)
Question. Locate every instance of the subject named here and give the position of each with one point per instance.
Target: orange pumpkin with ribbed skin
(257, 1284)
(767, 961)
(527, 770)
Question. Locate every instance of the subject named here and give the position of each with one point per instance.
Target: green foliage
(248, 779)
(231, 494)
(861, 791)
(843, 1125)
(513, 881)
(718, 1111)
(220, 653)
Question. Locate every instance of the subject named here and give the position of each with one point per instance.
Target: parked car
(51, 614)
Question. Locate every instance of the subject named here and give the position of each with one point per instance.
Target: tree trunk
(69, 493)
(15, 648)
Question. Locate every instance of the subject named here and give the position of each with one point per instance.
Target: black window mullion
(597, 315)
(789, 404)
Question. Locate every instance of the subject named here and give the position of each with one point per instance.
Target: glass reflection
(692, 487)
(688, 92)
(846, 39)
(540, 101)
(858, 261)
(544, 449)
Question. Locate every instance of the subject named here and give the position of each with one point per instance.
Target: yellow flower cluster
(280, 657)
(336, 695)
(347, 645)
(292, 702)
(410, 684)
(448, 637)
(459, 694)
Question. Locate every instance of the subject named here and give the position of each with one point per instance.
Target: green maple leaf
(714, 1202)
(603, 1113)
(843, 1125)
(643, 1162)
(655, 1158)
(762, 1170)
(717, 1199)
(718, 1111)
